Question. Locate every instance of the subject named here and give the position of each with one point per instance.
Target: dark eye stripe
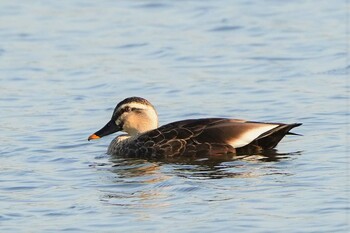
(136, 109)
(117, 114)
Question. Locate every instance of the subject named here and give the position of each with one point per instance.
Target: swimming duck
(194, 137)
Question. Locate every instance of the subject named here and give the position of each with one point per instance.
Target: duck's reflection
(206, 168)
(210, 168)
(142, 181)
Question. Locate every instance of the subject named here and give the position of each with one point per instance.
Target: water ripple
(225, 28)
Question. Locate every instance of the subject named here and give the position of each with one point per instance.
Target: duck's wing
(209, 136)
(238, 133)
(244, 134)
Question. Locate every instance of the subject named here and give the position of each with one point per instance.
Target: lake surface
(64, 65)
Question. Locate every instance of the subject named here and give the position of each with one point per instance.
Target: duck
(203, 137)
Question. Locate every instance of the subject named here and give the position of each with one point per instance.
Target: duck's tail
(296, 134)
(271, 138)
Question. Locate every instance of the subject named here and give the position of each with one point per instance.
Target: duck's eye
(127, 109)
(136, 110)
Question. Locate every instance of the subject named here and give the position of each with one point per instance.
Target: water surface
(64, 65)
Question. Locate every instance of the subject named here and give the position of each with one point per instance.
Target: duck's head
(133, 115)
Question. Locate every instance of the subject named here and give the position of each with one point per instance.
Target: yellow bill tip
(93, 137)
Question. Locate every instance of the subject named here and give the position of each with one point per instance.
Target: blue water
(64, 65)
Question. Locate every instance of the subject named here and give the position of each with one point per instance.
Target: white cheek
(120, 120)
(124, 121)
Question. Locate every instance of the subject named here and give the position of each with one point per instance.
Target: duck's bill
(108, 129)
